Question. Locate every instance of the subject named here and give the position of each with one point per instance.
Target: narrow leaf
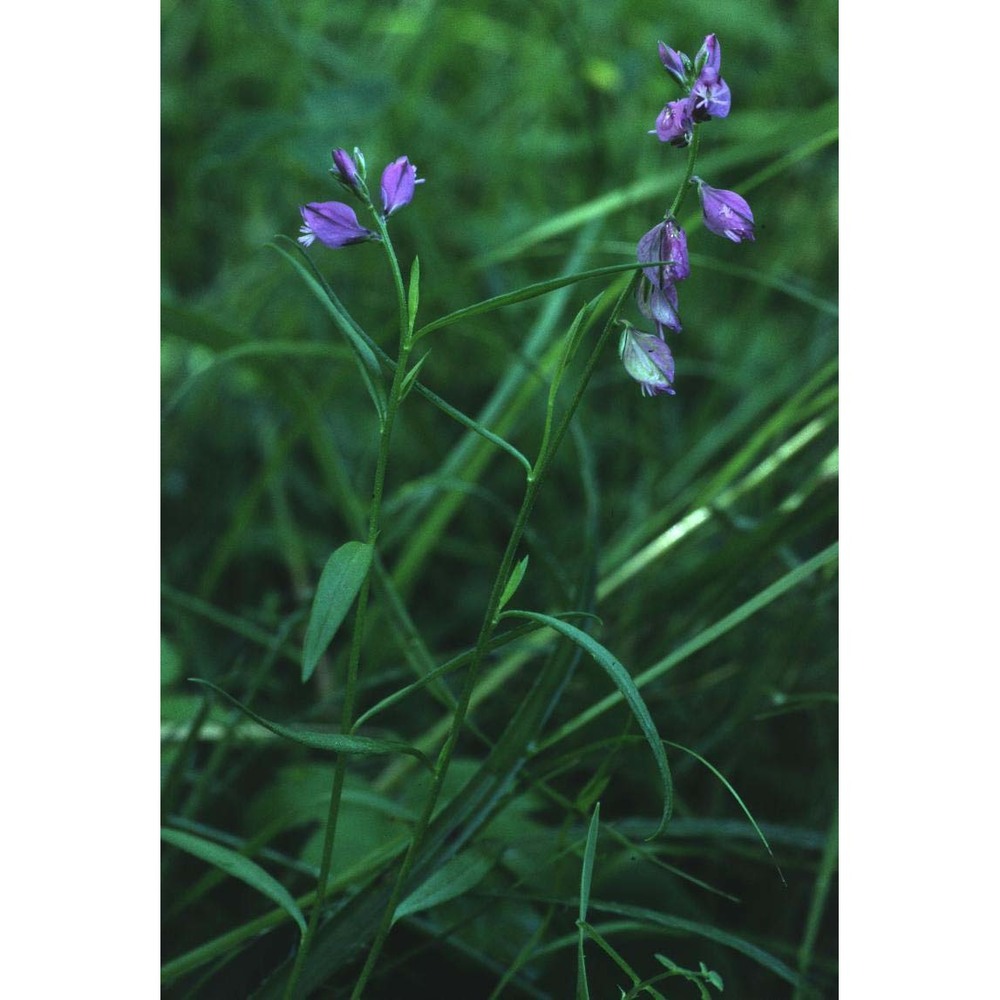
(513, 582)
(413, 296)
(528, 292)
(623, 681)
(360, 746)
(368, 366)
(342, 577)
(411, 376)
(586, 878)
(732, 791)
(238, 866)
(453, 879)
(589, 853)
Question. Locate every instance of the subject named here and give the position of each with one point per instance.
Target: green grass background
(529, 122)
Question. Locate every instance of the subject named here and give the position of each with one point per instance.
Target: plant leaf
(413, 295)
(453, 879)
(361, 746)
(368, 366)
(513, 582)
(237, 865)
(623, 681)
(342, 577)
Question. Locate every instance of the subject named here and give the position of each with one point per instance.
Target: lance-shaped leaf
(343, 575)
(237, 865)
(623, 681)
(453, 879)
(360, 746)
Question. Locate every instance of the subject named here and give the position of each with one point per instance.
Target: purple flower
(675, 63)
(346, 170)
(647, 359)
(659, 305)
(710, 96)
(666, 242)
(675, 123)
(398, 180)
(332, 223)
(725, 212)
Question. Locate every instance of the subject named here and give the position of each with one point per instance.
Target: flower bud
(398, 180)
(346, 170)
(674, 63)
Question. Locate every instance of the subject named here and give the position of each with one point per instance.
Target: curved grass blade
(627, 687)
(344, 573)
(237, 865)
(360, 746)
(732, 791)
(522, 294)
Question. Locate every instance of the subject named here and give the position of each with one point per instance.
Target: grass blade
(586, 878)
(237, 865)
(627, 687)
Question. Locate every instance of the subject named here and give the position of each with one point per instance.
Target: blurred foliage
(519, 115)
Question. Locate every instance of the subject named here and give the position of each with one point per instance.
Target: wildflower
(346, 171)
(675, 123)
(398, 180)
(708, 94)
(659, 305)
(711, 97)
(667, 242)
(725, 212)
(647, 359)
(332, 223)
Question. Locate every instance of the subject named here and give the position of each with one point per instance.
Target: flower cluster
(663, 250)
(333, 223)
(707, 93)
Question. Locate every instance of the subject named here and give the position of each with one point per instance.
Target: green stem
(490, 619)
(357, 638)
(688, 173)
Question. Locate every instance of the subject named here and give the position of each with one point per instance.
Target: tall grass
(681, 551)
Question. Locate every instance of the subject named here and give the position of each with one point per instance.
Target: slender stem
(357, 638)
(490, 619)
(682, 190)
